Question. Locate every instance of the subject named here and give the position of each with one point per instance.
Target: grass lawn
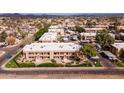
(50, 65)
(12, 64)
(119, 64)
(21, 65)
(80, 65)
(97, 64)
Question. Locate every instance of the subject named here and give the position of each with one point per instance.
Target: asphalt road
(9, 53)
(13, 50)
(64, 71)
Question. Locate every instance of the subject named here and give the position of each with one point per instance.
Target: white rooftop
(122, 34)
(101, 26)
(55, 27)
(121, 27)
(110, 55)
(88, 34)
(118, 45)
(44, 47)
(49, 36)
(93, 28)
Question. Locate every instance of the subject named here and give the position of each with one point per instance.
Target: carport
(110, 55)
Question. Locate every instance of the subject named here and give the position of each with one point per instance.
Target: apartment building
(120, 27)
(101, 26)
(122, 36)
(56, 28)
(60, 51)
(93, 29)
(91, 36)
(117, 49)
(48, 37)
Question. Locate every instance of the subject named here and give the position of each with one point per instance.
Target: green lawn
(21, 65)
(12, 64)
(119, 64)
(50, 65)
(97, 64)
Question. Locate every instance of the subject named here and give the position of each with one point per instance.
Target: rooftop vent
(73, 47)
(42, 46)
(60, 46)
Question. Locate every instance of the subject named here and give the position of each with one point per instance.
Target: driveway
(106, 63)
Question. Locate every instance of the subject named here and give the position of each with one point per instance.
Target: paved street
(64, 72)
(11, 51)
(80, 70)
(61, 76)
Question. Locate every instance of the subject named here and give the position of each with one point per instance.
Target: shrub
(50, 65)
(80, 65)
(53, 60)
(97, 64)
(26, 65)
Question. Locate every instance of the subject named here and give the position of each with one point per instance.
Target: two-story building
(60, 51)
(91, 36)
(48, 37)
(56, 28)
(118, 49)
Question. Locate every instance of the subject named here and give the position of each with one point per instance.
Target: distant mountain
(15, 14)
(61, 14)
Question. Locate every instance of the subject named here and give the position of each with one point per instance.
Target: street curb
(60, 68)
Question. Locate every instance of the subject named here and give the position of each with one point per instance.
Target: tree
(79, 29)
(60, 39)
(10, 40)
(104, 39)
(39, 33)
(89, 50)
(22, 33)
(90, 24)
(3, 36)
(53, 60)
(115, 22)
(46, 25)
(93, 24)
